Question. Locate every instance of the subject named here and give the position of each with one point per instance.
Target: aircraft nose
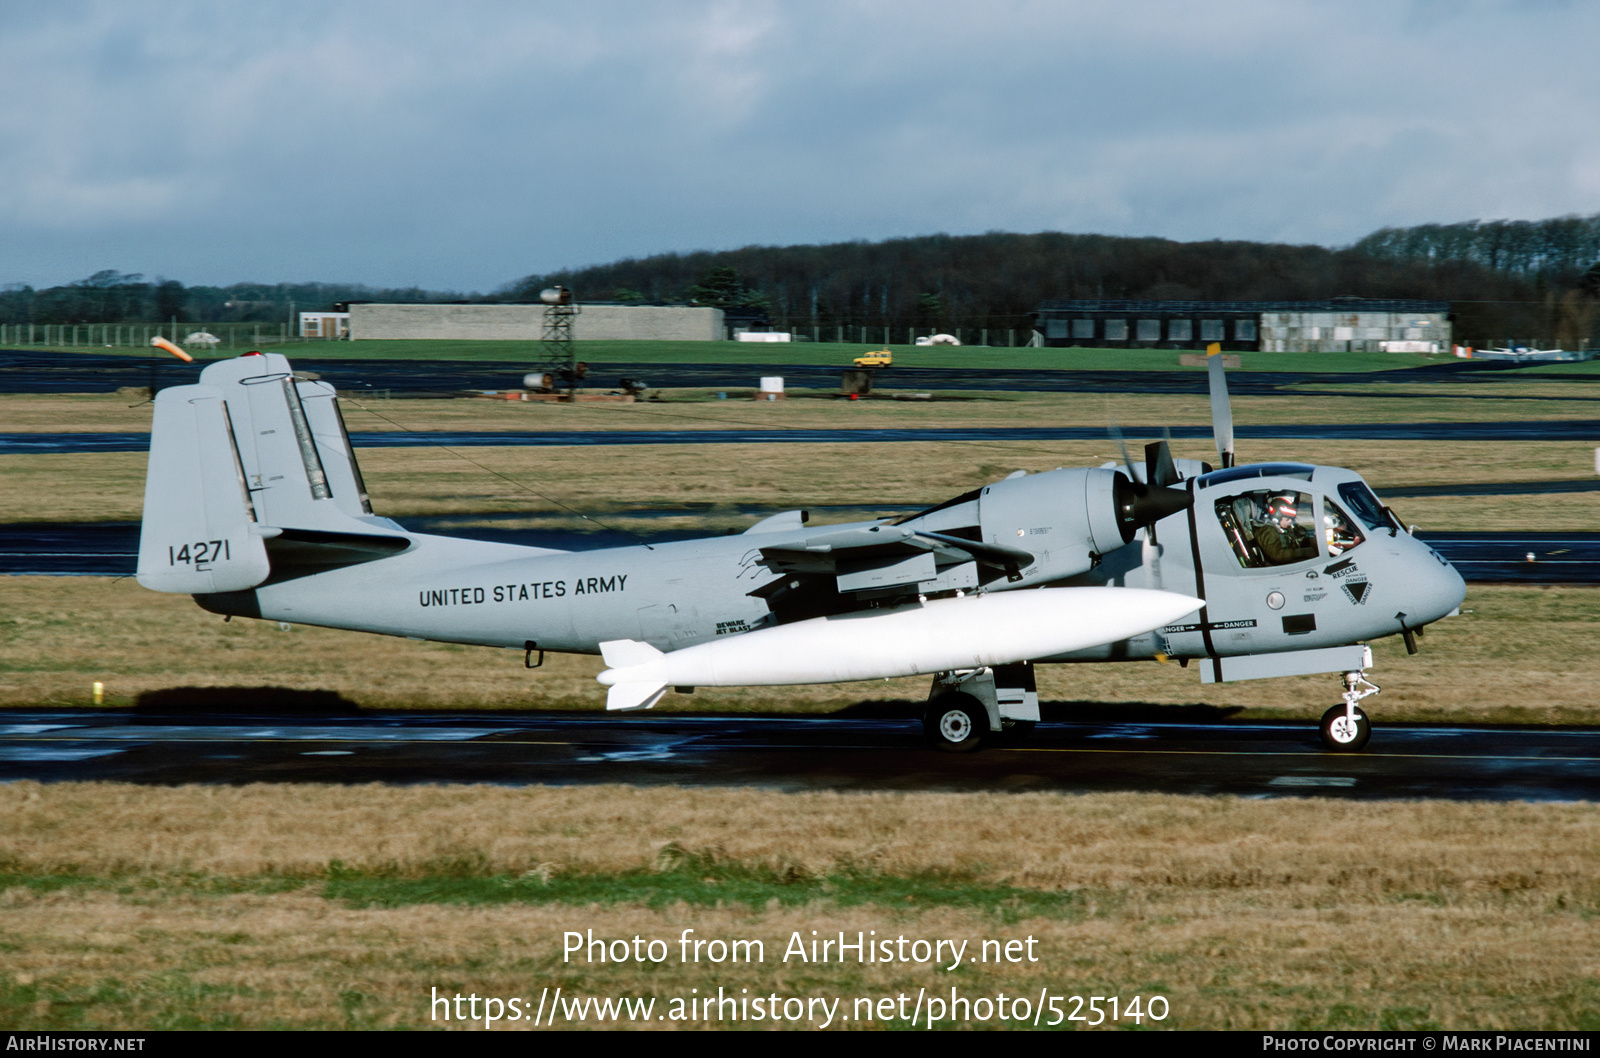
(1437, 589)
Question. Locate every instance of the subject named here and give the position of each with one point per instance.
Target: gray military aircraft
(254, 504)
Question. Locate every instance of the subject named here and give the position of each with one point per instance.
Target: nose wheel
(1345, 728)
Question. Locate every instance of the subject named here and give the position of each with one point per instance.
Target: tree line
(1505, 279)
(110, 296)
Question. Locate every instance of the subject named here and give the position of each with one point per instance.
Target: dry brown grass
(1519, 655)
(608, 479)
(614, 479)
(1244, 914)
(95, 412)
(1313, 850)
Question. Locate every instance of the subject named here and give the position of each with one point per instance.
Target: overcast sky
(461, 146)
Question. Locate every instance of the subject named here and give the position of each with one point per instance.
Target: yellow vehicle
(876, 358)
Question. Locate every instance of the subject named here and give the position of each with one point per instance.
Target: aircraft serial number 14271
(254, 504)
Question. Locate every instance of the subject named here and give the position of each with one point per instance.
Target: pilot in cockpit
(1340, 534)
(1281, 539)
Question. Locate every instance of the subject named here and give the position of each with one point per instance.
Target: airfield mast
(561, 365)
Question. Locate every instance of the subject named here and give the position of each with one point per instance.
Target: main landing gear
(1345, 728)
(969, 708)
(955, 722)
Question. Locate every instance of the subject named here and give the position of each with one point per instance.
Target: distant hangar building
(1337, 325)
(374, 321)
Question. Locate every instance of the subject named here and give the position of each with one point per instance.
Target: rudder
(199, 532)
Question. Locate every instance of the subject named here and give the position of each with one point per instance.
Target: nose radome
(1439, 588)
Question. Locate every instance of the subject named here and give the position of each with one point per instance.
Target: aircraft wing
(846, 549)
(824, 572)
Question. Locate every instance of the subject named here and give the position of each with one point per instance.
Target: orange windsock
(162, 343)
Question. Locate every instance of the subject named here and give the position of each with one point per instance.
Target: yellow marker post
(99, 692)
(1214, 348)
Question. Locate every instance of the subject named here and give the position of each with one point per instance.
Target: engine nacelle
(1065, 517)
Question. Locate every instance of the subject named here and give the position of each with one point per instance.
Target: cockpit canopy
(1279, 514)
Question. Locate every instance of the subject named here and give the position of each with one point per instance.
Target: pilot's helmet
(1283, 505)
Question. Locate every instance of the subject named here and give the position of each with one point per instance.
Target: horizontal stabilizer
(302, 551)
(634, 695)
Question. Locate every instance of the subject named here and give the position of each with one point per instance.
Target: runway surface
(111, 549)
(796, 753)
(1586, 431)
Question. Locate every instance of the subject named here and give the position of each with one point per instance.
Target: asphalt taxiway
(795, 753)
(1584, 431)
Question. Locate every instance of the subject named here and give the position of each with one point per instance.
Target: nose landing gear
(1345, 728)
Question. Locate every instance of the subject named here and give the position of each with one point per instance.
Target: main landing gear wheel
(1342, 734)
(955, 723)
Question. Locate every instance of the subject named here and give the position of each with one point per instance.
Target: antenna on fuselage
(1221, 409)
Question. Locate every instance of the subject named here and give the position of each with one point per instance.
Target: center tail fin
(252, 475)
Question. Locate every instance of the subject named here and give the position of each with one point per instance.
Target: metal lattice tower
(560, 355)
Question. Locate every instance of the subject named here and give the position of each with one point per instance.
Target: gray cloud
(460, 147)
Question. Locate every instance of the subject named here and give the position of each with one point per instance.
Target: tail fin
(297, 459)
(248, 455)
(626, 653)
(640, 688)
(199, 532)
(634, 695)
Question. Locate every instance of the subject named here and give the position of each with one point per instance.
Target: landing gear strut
(970, 707)
(1345, 728)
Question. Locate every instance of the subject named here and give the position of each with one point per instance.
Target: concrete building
(324, 324)
(525, 323)
(1355, 325)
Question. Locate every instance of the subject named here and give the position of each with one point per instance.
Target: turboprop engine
(1065, 518)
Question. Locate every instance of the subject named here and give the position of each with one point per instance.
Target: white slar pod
(999, 628)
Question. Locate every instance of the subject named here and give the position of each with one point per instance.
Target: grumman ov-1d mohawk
(254, 504)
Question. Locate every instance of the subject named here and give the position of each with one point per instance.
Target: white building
(324, 325)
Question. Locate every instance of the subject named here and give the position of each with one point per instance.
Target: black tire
(956, 723)
(1336, 734)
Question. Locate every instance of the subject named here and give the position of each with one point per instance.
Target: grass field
(841, 353)
(681, 409)
(609, 481)
(332, 907)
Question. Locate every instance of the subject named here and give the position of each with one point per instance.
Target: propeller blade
(1221, 410)
(1159, 469)
(1145, 497)
(1127, 460)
